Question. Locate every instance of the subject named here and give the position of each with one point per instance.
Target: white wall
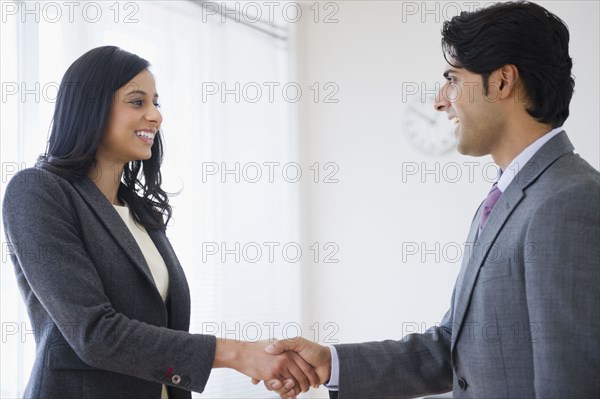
(370, 53)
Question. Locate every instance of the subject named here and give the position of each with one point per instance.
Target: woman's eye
(140, 103)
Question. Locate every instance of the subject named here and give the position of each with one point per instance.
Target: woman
(106, 295)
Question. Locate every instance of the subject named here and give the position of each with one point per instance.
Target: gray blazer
(523, 320)
(101, 327)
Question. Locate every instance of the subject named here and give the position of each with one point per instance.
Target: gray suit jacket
(523, 320)
(101, 327)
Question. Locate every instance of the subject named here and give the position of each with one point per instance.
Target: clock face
(428, 130)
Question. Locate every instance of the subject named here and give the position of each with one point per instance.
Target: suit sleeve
(562, 276)
(43, 237)
(416, 365)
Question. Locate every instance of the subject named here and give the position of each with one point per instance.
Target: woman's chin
(144, 156)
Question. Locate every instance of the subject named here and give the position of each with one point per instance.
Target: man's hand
(316, 355)
(250, 358)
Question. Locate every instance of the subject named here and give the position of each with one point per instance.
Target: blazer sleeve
(416, 365)
(42, 234)
(562, 273)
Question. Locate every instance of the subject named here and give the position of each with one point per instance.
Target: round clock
(428, 130)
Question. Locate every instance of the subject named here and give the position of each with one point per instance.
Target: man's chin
(461, 148)
(470, 151)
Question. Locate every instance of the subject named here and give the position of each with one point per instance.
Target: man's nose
(441, 100)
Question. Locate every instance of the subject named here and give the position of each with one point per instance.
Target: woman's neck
(107, 177)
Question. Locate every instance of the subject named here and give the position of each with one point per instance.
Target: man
(523, 319)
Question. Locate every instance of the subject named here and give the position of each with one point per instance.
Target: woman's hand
(251, 359)
(316, 355)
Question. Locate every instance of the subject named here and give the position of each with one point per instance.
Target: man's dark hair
(523, 34)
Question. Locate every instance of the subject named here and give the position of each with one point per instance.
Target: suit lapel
(480, 247)
(508, 201)
(114, 224)
(468, 254)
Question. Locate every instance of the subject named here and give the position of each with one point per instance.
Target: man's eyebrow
(141, 92)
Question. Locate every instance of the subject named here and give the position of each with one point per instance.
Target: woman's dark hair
(523, 34)
(83, 104)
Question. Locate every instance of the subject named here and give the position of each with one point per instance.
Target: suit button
(462, 383)
(176, 379)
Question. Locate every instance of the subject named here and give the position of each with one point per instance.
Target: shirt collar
(507, 176)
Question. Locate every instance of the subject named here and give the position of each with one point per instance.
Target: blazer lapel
(508, 201)
(114, 224)
(178, 286)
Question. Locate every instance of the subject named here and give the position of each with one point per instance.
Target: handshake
(287, 367)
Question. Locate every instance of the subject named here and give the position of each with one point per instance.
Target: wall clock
(428, 130)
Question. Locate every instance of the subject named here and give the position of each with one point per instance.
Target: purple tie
(488, 205)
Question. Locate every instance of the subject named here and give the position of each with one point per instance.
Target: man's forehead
(447, 68)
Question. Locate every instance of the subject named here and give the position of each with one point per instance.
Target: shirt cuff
(334, 378)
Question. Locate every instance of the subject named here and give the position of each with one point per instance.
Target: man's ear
(508, 76)
(502, 82)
